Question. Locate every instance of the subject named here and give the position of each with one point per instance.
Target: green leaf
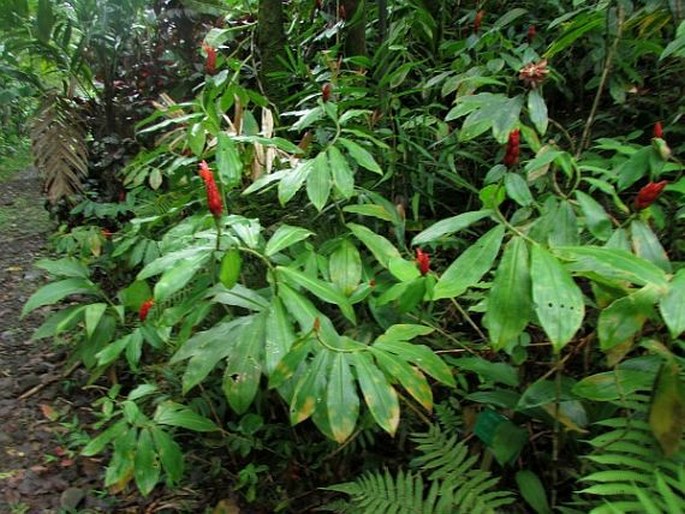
(92, 316)
(537, 110)
(533, 491)
(672, 305)
(467, 270)
(98, 444)
(111, 352)
(310, 388)
(449, 226)
(646, 245)
(342, 400)
(563, 226)
(65, 267)
(279, 335)
(403, 270)
(495, 372)
(621, 320)
(167, 261)
(557, 300)
(229, 272)
(170, 455)
(666, 417)
(292, 181)
(287, 366)
(319, 182)
(345, 267)
(239, 296)
(197, 138)
(320, 289)
(411, 378)
(177, 415)
(373, 210)
(52, 293)
(596, 218)
(179, 275)
(146, 471)
(382, 249)
(343, 176)
(419, 355)
(405, 332)
(378, 394)
(360, 155)
(613, 385)
(634, 168)
(228, 162)
(244, 365)
(517, 189)
(45, 20)
(492, 196)
(612, 264)
(509, 303)
(284, 237)
(121, 466)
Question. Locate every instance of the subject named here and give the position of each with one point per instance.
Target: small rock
(71, 497)
(28, 381)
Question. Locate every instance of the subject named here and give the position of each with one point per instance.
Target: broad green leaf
(247, 230)
(419, 355)
(564, 226)
(177, 415)
(293, 180)
(141, 391)
(613, 385)
(92, 316)
(596, 218)
(449, 226)
(319, 182)
(378, 394)
(133, 296)
(360, 155)
(634, 168)
(345, 267)
(238, 296)
(98, 444)
(612, 264)
(533, 491)
(495, 372)
(111, 352)
(306, 314)
(244, 366)
(287, 366)
(506, 118)
(509, 303)
(557, 300)
(646, 245)
(373, 210)
(279, 335)
(537, 110)
(343, 176)
(405, 332)
(52, 293)
(492, 196)
(121, 466)
(60, 321)
(284, 237)
(229, 272)
(411, 378)
(228, 162)
(179, 275)
(147, 466)
(467, 270)
(65, 267)
(310, 389)
(197, 138)
(382, 249)
(574, 31)
(517, 189)
(672, 305)
(622, 319)
(668, 405)
(320, 289)
(403, 270)
(167, 261)
(342, 400)
(170, 455)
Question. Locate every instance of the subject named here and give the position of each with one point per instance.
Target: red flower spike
(423, 260)
(210, 63)
(511, 157)
(145, 309)
(478, 20)
(648, 194)
(531, 33)
(342, 13)
(326, 92)
(658, 130)
(214, 202)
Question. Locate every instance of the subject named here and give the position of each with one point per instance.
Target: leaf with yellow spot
(667, 413)
(378, 394)
(342, 400)
(310, 388)
(411, 378)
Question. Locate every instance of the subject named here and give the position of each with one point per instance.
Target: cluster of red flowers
(214, 202)
(511, 157)
(478, 20)
(145, 309)
(326, 91)
(423, 260)
(210, 63)
(531, 33)
(648, 194)
(658, 130)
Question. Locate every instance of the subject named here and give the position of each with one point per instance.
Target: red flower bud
(648, 194)
(145, 309)
(478, 20)
(511, 157)
(342, 13)
(326, 92)
(213, 197)
(531, 33)
(658, 130)
(210, 63)
(423, 260)
(318, 4)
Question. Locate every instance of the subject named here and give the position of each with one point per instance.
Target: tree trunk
(355, 30)
(271, 44)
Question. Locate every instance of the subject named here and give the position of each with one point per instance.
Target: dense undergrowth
(443, 276)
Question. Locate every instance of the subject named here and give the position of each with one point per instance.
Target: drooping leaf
(345, 267)
(449, 226)
(342, 400)
(672, 305)
(170, 455)
(646, 245)
(667, 411)
(517, 189)
(229, 272)
(292, 181)
(409, 377)
(54, 292)
(419, 355)
(613, 385)
(310, 389)
(284, 237)
(596, 218)
(343, 177)
(360, 155)
(147, 468)
(279, 335)
(379, 396)
(175, 278)
(177, 415)
(319, 182)
(537, 110)
(228, 162)
(624, 317)
(382, 249)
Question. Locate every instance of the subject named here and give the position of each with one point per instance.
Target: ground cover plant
(371, 256)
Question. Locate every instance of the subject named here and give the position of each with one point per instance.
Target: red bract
(145, 309)
(210, 63)
(531, 33)
(478, 20)
(423, 260)
(326, 92)
(648, 194)
(511, 157)
(658, 130)
(214, 202)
